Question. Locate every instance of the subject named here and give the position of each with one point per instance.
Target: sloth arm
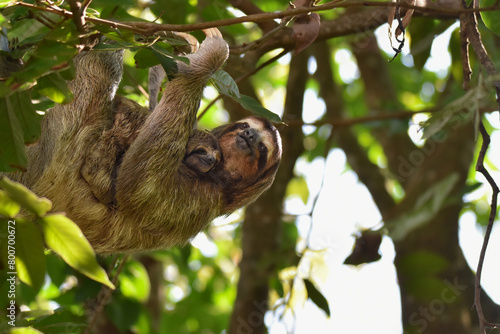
(150, 167)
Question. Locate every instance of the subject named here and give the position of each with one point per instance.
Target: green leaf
(29, 119)
(423, 31)
(24, 330)
(61, 320)
(256, 108)
(166, 59)
(12, 151)
(423, 270)
(28, 200)
(491, 19)
(225, 84)
(316, 297)
(65, 237)
(50, 56)
(426, 207)
(134, 281)
(458, 112)
(123, 312)
(454, 48)
(8, 207)
(4, 3)
(145, 58)
(55, 88)
(30, 257)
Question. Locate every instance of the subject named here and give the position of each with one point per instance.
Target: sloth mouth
(244, 144)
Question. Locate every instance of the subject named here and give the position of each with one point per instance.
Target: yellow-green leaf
(55, 88)
(24, 330)
(65, 237)
(28, 200)
(134, 281)
(30, 258)
(8, 207)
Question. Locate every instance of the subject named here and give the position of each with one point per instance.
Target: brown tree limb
(262, 225)
(368, 172)
(380, 97)
(104, 295)
(147, 28)
(249, 8)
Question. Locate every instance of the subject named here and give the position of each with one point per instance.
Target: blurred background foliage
(334, 97)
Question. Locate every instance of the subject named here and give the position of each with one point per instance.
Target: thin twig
(105, 294)
(472, 35)
(483, 323)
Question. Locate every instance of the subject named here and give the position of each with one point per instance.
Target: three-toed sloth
(136, 180)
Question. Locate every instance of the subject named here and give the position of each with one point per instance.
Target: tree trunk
(262, 225)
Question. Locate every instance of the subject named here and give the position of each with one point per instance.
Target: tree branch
(250, 8)
(148, 28)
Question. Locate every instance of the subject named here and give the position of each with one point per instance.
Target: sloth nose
(251, 135)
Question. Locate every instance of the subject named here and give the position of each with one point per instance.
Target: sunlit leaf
(134, 281)
(55, 88)
(252, 105)
(225, 84)
(317, 297)
(30, 257)
(8, 207)
(65, 237)
(4, 3)
(28, 200)
(491, 18)
(24, 330)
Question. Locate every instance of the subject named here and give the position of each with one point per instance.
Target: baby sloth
(202, 152)
(135, 180)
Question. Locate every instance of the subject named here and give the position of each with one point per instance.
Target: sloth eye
(262, 147)
(200, 151)
(244, 126)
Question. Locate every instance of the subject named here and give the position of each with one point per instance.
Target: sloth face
(203, 152)
(250, 148)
